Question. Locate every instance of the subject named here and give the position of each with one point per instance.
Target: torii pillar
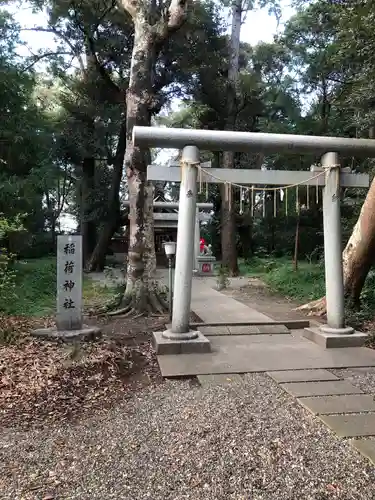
(179, 338)
(197, 238)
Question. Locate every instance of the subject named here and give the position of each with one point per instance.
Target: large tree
(154, 24)
(228, 222)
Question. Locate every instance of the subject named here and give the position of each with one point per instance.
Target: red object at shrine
(202, 244)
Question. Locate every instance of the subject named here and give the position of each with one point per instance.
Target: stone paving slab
(351, 425)
(327, 388)
(212, 380)
(302, 376)
(291, 324)
(273, 329)
(263, 353)
(214, 330)
(244, 330)
(349, 403)
(366, 447)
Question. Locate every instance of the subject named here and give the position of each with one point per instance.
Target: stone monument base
(330, 339)
(163, 345)
(206, 265)
(84, 334)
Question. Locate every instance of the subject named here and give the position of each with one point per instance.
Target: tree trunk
(88, 226)
(228, 224)
(296, 244)
(359, 253)
(97, 260)
(140, 295)
(358, 256)
(151, 30)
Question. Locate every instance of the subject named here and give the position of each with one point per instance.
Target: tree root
(105, 310)
(123, 311)
(153, 305)
(316, 307)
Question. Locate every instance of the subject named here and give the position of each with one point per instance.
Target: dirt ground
(44, 381)
(255, 294)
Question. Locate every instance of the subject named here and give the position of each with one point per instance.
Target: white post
(333, 248)
(197, 238)
(185, 247)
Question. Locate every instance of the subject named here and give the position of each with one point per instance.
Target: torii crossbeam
(189, 140)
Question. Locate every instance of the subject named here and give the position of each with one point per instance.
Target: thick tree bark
(296, 245)
(88, 226)
(97, 260)
(359, 253)
(149, 35)
(228, 224)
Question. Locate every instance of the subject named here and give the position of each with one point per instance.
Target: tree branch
(178, 11)
(91, 46)
(171, 20)
(38, 57)
(101, 69)
(105, 12)
(164, 76)
(131, 7)
(60, 35)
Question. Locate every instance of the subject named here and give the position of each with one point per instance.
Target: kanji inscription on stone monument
(69, 282)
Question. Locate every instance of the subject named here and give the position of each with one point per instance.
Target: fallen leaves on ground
(15, 328)
(42, 380)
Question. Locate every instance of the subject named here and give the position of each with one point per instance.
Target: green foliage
(307, 283)
(37, 246)
(7, 279)
(222, 277)
(33, 292)
(8, 226)
(35, 288)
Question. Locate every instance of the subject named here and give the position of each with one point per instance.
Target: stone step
(328, 388)
(301, 376)
(350, 403)
(244, 330)
(351, 425)
(366, 447)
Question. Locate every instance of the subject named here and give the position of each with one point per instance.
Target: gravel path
(177, 441)
(364, 378)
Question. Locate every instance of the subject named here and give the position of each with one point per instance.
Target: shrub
(7, 278)
(222, 278)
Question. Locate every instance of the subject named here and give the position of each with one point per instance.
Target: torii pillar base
(335, 337)
(192, 342)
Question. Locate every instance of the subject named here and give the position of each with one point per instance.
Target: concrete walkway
(214, 307)
(244, 352)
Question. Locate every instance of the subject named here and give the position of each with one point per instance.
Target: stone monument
(69, 317)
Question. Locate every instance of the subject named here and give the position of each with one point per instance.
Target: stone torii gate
(166, 218)
(190, 140)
